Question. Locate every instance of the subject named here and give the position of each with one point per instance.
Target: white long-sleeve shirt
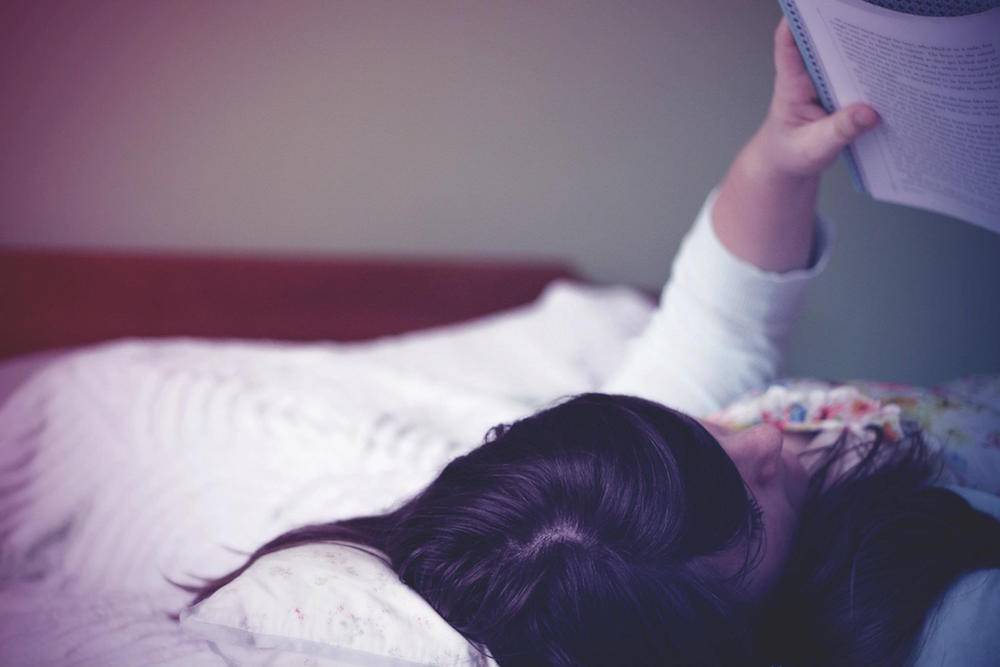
(721, 327)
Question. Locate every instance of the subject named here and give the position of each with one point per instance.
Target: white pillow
(334, 603)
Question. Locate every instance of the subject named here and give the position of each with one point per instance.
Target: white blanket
(126, 463)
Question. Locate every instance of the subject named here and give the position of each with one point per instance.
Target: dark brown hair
(876, 551)
(581, 535)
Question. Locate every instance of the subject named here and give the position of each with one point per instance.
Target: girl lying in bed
(631, 528)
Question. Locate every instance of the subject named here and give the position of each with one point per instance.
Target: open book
(935, 81)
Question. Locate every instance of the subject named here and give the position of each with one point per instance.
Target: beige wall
(589, 131)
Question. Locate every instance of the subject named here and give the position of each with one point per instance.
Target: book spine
(815, 69)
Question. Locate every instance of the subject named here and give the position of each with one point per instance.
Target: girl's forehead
(716, 430)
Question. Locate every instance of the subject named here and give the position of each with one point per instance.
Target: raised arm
(766, 207)
(736, 284)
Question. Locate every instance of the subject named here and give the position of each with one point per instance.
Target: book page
(935, 81)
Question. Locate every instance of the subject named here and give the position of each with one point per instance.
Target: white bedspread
(125, 463)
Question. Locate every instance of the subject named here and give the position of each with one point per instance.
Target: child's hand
(798, 137)
(766, 209)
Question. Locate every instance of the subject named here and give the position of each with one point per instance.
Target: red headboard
(59, 299)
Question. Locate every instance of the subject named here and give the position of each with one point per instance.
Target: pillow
(962, 630)
(336, 604)
(961, 419)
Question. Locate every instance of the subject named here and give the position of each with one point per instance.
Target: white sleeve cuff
(737, 289)
(721, 325)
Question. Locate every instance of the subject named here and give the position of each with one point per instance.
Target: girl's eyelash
(756, 516)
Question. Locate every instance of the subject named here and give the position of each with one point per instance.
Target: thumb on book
(832, 133)
(863, 116)
(847, 124)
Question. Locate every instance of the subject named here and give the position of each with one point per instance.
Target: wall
(589, 131)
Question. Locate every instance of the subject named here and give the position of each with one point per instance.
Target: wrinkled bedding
(127, 463)
(131, 462)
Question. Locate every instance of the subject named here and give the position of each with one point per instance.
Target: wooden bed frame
(66, 298)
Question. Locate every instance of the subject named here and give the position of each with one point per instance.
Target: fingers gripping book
(932, 71)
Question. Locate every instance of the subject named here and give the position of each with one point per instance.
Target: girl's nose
(763, 445)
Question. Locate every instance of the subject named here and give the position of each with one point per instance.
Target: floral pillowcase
(960, 418)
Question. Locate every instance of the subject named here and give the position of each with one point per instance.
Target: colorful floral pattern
(960, 418)
(810, 405)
